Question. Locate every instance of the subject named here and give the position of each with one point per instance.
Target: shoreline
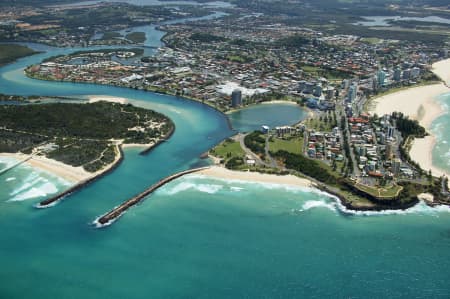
(50, 202)
(420, 103)
(253, 176)
(106, 98)
(222, 173)
(67, 172)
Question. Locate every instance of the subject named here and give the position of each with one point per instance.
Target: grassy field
(388, 191)
(293, 145)
(228, 149)
(136, 37)
(9, 52)
(320, 125)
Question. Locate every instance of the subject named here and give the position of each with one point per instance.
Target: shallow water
(441, 129)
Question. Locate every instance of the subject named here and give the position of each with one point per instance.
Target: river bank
(420, 103)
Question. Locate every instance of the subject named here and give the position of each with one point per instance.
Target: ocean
(441, 129)
(200, 237)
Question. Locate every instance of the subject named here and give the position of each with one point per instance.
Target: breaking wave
(42, 190)
(323, 200)
(185, 186)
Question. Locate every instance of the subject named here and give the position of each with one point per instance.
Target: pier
(119, 210)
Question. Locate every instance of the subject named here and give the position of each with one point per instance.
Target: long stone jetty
(164, 139)
(109, 217)
(55, 199)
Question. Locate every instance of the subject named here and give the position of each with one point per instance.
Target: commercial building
(236, 98)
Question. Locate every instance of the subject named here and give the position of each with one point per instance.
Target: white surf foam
(29, 182)
(186, 185)
(10, 179)
(43, 190)
(326, 200)
(265, 185)
(311, 204)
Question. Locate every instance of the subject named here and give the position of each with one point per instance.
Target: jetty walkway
(119, 210)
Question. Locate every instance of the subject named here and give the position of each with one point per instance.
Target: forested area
(80, 133)
(304, 165)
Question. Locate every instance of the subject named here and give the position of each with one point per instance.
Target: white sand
(419, 103)
(223, 173)
(279, 102)
(93, 99)
(65, 171)
(442, 70)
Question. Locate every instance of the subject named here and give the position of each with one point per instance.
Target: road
(240, 137)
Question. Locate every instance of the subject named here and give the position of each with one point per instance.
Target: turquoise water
(199, 237)
(205, 238)
(441, 129)
(24, 182)
(272, 115)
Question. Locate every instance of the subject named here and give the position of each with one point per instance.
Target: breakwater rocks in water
(55, 199)
(164, 139)
(112, 215)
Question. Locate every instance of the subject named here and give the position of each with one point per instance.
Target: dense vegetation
(408, 127)
(12, 142)
(9, 52)
(99, 120)
(81, 153)
(81, 132)
(256, 142)
(304, 165)
(136, 37)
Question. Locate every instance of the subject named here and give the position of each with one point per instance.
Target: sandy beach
(67, 172)
(96, 98)
(442, 70)
(420, 103)
(279, 102)
(417, 102)
(223, 173)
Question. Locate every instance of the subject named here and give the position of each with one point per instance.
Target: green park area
(292, 145)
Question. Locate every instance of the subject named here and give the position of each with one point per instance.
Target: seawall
(109, 217)
(53, 200)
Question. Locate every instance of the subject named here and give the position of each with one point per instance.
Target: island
(81, 141)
